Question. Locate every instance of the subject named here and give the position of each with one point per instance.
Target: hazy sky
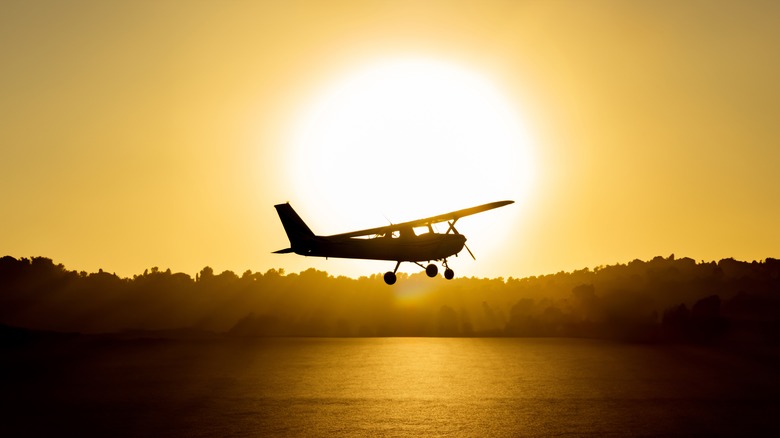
(157, 133)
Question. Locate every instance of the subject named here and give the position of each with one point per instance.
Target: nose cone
(460, 241)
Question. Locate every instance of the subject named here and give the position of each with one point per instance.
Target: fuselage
(425, 247)
(394, 242)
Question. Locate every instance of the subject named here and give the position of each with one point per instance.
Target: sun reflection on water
(405, 386)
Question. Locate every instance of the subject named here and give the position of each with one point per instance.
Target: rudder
(297, 231)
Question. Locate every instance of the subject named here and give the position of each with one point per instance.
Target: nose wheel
(449, 274)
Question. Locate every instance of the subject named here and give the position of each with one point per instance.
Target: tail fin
(299, 234)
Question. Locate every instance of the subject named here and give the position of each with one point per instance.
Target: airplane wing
(452, 216)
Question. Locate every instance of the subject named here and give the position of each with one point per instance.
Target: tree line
(660, 300)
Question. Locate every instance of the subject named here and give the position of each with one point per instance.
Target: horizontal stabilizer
(284, 251)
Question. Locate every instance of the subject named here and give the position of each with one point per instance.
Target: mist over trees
(664, 299)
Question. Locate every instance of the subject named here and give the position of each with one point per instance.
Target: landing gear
(431, 270)
(449, 274)
(390, 275)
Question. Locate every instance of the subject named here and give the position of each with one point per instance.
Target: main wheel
(431, 270)
(449, 274)
(390, 278)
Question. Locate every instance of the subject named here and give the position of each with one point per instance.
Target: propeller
(470, 253)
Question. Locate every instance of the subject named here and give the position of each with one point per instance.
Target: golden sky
(138, 134)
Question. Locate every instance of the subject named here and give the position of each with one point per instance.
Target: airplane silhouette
(396, 242)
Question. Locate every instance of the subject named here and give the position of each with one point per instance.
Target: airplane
(395, 242)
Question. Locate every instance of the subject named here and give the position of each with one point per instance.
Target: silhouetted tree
(206, 274)
(698, 302)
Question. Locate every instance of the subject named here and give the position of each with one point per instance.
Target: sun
(406, 138)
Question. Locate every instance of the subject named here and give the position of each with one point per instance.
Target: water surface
(387, 387)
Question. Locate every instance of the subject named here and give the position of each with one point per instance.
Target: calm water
(386, 387)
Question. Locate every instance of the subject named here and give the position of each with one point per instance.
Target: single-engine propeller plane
(395, 242)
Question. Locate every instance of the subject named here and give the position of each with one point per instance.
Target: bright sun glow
(405, 139)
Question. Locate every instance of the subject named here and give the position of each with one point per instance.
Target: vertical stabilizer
(297, 231)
